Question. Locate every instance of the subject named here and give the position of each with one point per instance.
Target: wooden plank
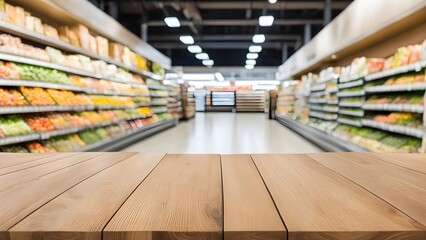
(84, 210)
(36, 162)
(413, 161)
(180, 199)
(24, 197)
(249, 212)
(10, 159)
(317, 203)
(401, 187)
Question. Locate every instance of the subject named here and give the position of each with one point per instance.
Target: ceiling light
(252, 55)
(172, 22)
(186, 39)
(259, 38)
(248, 67)
(208, 62)
(255, 48)
(219, 77)
(202, 56)
(251, 62)
(272, 1)
(194, 49)
(266, 21)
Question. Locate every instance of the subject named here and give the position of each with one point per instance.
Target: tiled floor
(226, 133)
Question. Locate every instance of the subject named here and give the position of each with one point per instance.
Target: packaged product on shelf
(37, 96)
(20, 16)
(125, 57)
(10, 13)
(115, 51)
(13, 125)
(73, 61)
(38, 26)
(77, 121)
(55, 56)
(89, 136)
(59, 120)
(50, 31)
(100, 67)
(11, 97)
(83, 35)
(102, 44)
(93, 46)
(64, 97)
(102, 133)
(141, 63)
(93, 117)
(8, 71)
(108, 114)
(70, 36)
(86, 63)
(65, 143)
(423, 51)
(37, 147)
(30, 23)
(39, 123)
(2, 10)
(29, 72)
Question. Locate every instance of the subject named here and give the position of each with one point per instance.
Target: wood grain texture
(10, 159)
(180, 199)
(84, 210)
(34, 162)
(403, 188)
(249, 212)
(317, 203)
(24, 197)
(413, 161)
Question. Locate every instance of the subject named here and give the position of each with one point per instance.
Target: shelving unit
(222, 101)
(174, 104)
(188, 102)
(250, 101)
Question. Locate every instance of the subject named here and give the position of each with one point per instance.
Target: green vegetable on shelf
(36, 73)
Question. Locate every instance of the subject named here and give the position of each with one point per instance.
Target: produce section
(74, 91)
(380, 102)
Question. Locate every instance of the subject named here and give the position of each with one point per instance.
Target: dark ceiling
(224, 29)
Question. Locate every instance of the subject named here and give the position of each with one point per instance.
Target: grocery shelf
(70, 70)
(332, 102)
(318, 88)
(351, 113)
(415, 108)
(156, 111)
(328, 117)
(349, 122)
(415, 67)
(325, 109)
(351, 79)
(32, 83)
(158, 104)
(59, 108)
(124, 140)
(351, 104)
(356, 83)
(158, 96)
(351, 94)
(321, 139)
(19, 139)
(61, 45)
(332, 90)
(396, 88)
(414, 132)
(318, 101)
(157, 87)
(335, 77)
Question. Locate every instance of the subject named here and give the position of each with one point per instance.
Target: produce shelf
(414, 132)
(155, 87)
(396, 88)
(332, 102)
(124, 140)
(351, 94)
(335, 77)
(356, 83)
(415, 67)
(351, 113)
(49, 41)
(415, 108)
(321, 139)
(320, 115)
(158, 96)
(19, 139)
(40, 63)
(156, 111)
(351, 104)
(58, 108)
(325, 109)
(318, 88)
(332, 90)
(158, 104)
(32, 83)
(351, 79)
(318, 101)
(349, 122)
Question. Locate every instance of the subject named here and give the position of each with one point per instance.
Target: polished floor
(226, 133)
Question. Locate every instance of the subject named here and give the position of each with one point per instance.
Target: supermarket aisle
(226, 133)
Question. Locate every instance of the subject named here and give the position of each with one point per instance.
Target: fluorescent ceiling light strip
(259, 38)
(249, 67)
(172, 22)
(186, 39)
(252, 55)
(272, 1)
(251, 62)
(255, 48)
(194, 49)
(266, 21)
(208, 62)
(219, 77)
(202, 56)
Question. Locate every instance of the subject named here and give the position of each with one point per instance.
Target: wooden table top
(156, 196)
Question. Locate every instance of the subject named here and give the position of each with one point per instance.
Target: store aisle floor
(226, 133)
